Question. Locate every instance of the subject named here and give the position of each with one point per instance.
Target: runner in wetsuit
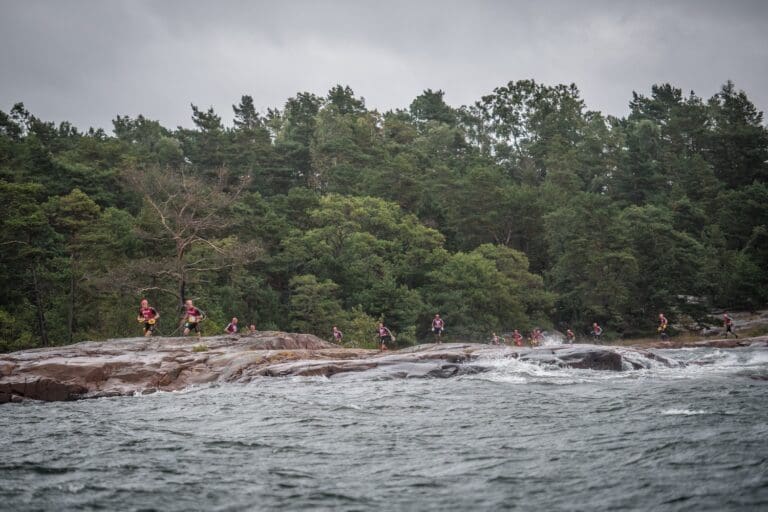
(728, 322)
(385, 336)
(192, 318)
(438, 324)
(148, 316)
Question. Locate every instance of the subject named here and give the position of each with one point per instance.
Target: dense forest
(522, 210)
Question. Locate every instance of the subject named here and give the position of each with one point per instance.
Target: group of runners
(233, 328)
(385, 336)
(663, 327)
(149, 316)
(191, 319)
(516, 338)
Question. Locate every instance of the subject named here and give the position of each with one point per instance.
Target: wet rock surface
(140, 365)
(731, 342)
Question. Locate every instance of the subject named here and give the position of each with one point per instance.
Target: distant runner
(597, 331)
(663, 324)
(385, 336)
(728, 323)
(570, 336)
(536, 337)
(231, 327)
(437, 328)
(192, 318)
(252, 328)
(517, 338)
(148, 316)
(494, 339)
(337, 334)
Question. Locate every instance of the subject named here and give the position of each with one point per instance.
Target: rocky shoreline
(141, 365)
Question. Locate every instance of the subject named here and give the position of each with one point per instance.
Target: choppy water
(520, 437)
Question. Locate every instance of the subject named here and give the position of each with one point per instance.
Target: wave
(661, 364)
(683, 412)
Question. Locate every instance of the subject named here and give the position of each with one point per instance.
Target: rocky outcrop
(141, 365)
(144, 365)
(761, 341)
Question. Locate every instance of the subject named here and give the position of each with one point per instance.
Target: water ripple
(519, 436)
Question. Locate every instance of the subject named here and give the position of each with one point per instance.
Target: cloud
(87, 61)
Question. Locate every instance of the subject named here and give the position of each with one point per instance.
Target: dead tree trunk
(40, 310)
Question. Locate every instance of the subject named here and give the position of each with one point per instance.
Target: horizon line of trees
(525, 209)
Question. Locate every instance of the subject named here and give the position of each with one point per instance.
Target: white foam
(552, 340)
(514, 371)
(683, 412)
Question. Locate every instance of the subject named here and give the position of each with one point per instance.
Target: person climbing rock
(148, 316)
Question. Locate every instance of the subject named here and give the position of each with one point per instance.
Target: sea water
(520, 436)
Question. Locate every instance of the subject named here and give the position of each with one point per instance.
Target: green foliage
(489, 289)
(314, 307)
(593, 265)
(522, 210)
(358, 328)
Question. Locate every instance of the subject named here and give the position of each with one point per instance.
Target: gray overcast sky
(86, 61)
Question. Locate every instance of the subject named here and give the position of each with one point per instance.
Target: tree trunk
(71, 306)
(39, 307)
(182, 289)
(182, 274)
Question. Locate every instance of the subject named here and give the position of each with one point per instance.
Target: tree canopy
(524, 209)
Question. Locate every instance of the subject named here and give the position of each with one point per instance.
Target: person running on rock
(231, 327)
(385, 336)
(517, 338)
(536, 338)
(663, 324)
(728, 323)
(192, 318)
(494, 339)
(597, 331)
(570, 336)
(437, 328)
(337, 334)
(148, 316)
